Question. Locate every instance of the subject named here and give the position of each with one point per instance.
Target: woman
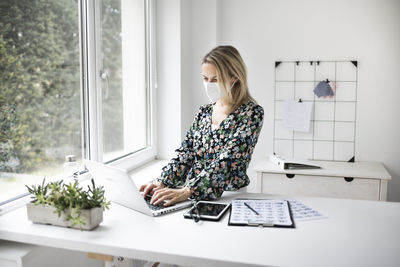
(217, 149)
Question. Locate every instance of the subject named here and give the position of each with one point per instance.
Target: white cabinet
(13, 254)
(358, 180)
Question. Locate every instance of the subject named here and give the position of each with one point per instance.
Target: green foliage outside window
(40, 94)
(39, 82)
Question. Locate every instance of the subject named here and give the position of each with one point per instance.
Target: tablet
(207, 210)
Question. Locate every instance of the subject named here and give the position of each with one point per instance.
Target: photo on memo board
(331, 88)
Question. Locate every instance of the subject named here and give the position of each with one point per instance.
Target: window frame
(91, 81)
(91, 125)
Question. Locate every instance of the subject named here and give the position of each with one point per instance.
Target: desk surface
(356, 233)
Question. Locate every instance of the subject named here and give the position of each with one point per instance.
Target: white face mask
(213, 91)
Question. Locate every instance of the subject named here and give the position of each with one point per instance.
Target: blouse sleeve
(174, 173)
(227, 172)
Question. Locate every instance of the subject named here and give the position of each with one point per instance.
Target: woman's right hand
(148, 189)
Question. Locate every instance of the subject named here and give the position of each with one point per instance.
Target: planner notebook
(261, 212)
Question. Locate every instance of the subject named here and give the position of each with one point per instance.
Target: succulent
(69, 195)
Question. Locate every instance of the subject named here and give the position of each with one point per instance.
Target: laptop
(120, 188)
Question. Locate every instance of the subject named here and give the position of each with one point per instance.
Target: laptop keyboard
(154, 207)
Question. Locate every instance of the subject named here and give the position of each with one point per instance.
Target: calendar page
(264, 212)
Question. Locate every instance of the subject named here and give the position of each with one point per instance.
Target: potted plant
(68, 205)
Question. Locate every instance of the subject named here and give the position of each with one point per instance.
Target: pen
(195, 215)
(247, 205)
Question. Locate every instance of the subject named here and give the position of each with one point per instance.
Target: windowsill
(140, 175)
(20, 196)
(147, 172)
(15, 203)
(136, 160)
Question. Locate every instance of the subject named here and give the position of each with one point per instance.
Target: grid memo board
(333, 120)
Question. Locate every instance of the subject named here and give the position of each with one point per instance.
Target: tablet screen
(207, 210)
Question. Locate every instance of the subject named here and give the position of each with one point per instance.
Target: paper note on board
(297, 115)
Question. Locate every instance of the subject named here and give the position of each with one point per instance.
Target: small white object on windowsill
(70, 166)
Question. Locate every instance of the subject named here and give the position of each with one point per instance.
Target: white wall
(368, 31)
(199, 20)
(185, 32)
(266, 31)
(186, 56)
(168, 36)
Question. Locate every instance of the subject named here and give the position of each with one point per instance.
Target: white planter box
(48, 215)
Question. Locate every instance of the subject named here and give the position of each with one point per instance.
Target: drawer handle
(290, 176)
(348, 179)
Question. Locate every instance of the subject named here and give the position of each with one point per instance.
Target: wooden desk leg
(101, 257)
(111, 261)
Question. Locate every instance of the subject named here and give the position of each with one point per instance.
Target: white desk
(357, 233)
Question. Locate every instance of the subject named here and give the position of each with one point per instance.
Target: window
(75, 78)
(40, 117)
(123, 75)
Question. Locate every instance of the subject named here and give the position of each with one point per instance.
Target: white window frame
(91, 100)
(89, 23)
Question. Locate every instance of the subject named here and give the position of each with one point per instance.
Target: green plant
(63, 196)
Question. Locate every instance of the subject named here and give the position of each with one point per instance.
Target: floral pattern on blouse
(210, 161)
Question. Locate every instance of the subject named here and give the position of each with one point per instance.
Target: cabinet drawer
(321, 186)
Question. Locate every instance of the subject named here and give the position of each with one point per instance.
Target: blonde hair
(230, 68)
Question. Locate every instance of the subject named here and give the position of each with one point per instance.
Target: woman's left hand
(172, 195)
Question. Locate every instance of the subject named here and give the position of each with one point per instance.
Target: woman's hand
(148, 189)
(172, 195)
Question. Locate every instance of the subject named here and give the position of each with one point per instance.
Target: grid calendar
(333, 120)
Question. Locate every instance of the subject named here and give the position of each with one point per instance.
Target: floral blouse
(210, 161)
